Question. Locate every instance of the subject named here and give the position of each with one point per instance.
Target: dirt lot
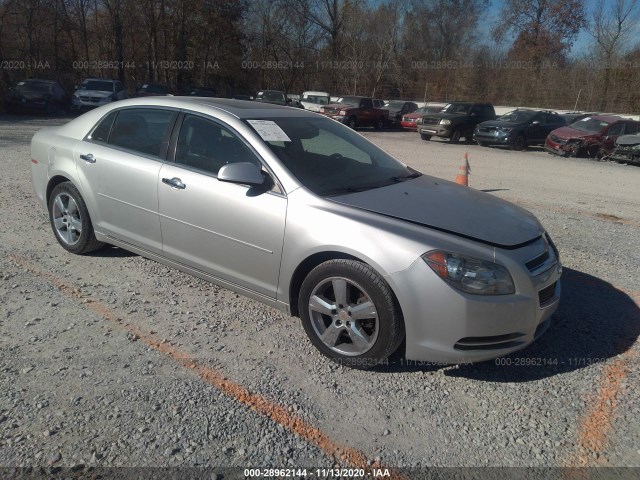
(112, 359)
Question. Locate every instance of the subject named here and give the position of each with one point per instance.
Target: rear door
(118, 164)
(234, 232)
(611, 135)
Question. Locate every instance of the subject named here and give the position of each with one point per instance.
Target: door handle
(89, 158)
(174, 182)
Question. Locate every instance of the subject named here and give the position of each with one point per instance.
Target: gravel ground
(78, 387)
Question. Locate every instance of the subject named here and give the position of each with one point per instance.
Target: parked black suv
(34, 95)
(456, 120)
(518, 129)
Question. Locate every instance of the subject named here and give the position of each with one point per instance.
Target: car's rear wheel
(70, 220)
(350, 313)
(455, 136)
(352, 122)
(517, 143)
(424, 136)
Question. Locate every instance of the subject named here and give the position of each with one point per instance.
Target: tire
(518, 143)
(352, 122)
(601, 155)
(379, 125)
(380, 330)
(70, 220)
(483, 144)
(424, 136)
(455, 136)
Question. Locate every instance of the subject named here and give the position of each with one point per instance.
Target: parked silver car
(94, 92)
(300, 212)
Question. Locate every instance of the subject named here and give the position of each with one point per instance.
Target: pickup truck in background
(456, 120)
(357, 112)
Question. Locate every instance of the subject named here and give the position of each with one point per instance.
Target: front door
(234, 232)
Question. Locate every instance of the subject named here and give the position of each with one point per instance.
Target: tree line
(512, 52)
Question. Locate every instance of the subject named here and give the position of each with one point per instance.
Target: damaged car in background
(627, 150)
(590, 137)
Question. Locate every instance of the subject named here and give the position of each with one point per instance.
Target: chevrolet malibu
(302, 213)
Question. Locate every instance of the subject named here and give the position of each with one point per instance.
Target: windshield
(349, 100)
(98, 85)
(517, 116)
(154, 88)
(457, 108)
(271, 96)
(395, 105)
(428, 110)
(33, 87)
(590, 125)
(317, 99)
(328, 158)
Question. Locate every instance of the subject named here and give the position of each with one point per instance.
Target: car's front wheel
(518, 143)
(70, 220)
(424, 136)
(350, 313)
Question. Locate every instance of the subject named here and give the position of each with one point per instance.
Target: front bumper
(445, 326)
(408, 125)
(502, 139)
(632, 157)
(443, 131)
(90, 102)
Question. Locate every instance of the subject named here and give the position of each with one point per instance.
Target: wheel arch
(312, 261)
(54, 182)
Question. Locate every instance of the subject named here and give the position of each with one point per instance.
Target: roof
(242, 109)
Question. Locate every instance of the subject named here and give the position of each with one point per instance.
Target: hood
(568, 132)
(340, 106)
(94, 93)
(499, 124)
(445, 115)
(628, 140)
(448, 207)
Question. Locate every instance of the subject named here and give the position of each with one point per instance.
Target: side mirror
(246, 173)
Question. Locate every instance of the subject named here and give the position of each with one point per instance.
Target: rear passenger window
(207, 146)
(617, 129)
(101, 132)
(631, 129)
(144, 130)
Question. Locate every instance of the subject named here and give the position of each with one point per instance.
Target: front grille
(96, 99)
(430, 121)
(412, 120)
(494, 342)
(547, 295)
(331, 111)
(537, 261)
(487, 129)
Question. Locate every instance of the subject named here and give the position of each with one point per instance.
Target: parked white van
(315, 100)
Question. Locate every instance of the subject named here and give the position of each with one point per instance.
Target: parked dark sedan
(592, 136)
(35, 95)
(271, 96)
(518, 129)
(154, 90)
(196, 91)
(398, 108)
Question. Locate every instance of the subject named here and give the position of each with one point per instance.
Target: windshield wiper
(402, 178)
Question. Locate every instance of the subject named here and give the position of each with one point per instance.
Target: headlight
(342, 112)
(470, 275)
(444, 121)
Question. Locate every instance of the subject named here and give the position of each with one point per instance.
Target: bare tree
(613, 25)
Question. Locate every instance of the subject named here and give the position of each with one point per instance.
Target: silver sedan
(300, 212)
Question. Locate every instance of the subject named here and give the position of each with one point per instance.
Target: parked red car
(409, 120)
(593, 136)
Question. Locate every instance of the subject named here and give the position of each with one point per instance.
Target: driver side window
(208, 146)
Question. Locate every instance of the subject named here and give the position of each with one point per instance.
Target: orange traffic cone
(463, 172)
